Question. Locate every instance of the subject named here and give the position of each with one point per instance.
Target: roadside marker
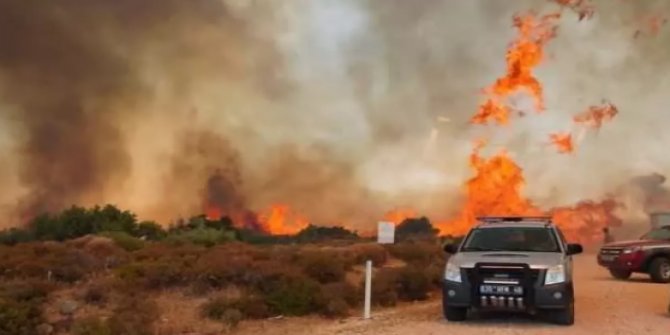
(368, 289)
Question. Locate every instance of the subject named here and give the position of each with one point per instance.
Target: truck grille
(503, 286)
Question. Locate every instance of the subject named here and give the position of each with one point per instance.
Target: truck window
(658, 234)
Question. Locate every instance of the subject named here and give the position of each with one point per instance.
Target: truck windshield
(658, 234)
(531, 239)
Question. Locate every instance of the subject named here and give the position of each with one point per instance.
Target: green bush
(91, 326)
(150, 230)
(14, 236)
(20, 306)
(124, 240)
(19, 317)
(207, 237)
(291, 294)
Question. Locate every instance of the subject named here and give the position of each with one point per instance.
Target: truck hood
(635, 243)
(536, 260)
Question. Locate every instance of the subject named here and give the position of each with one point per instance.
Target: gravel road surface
(604, 306)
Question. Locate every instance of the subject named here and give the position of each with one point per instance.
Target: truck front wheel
(455, 313)
(659, 270)
(565, 317)
(620, 274)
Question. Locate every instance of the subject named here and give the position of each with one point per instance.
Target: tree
(420, 228)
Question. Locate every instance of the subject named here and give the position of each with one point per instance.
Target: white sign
(385, 232)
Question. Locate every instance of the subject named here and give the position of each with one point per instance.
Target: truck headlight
(555, 275)
(452, 272)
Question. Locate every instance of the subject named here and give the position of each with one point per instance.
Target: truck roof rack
(495, 219)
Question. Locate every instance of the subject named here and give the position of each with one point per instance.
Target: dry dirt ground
(603, 306)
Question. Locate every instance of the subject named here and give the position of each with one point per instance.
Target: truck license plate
(608, 258)
(500, 289)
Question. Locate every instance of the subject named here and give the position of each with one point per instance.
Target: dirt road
(604, 306)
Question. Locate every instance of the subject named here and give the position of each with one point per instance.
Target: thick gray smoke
(341, 109)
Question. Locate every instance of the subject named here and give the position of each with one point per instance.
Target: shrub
(374, 252)
(14, 236)
(413, 284)
(312, 234)
(250, 306)
(324, 266)
(420, 229)
(124, 240)
(384, 290)
(20, 306)
(336, 308)
(291, 294)
(91, 326)
(134, 315)
(343, 290)
(95, 295)
(201, 236)
(420, 254)
(19, 317)
(335, 299)
(150, 230)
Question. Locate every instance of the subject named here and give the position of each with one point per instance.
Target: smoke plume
(342, 109)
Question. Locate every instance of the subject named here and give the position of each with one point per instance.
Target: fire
(279, 219)
(398, 215)
(596, 115)
(523, 55)
(562, 142)
(496, 189)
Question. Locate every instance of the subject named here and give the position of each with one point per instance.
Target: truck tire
(659, 270)
(564, 317)
(620, 274)
(455, 313)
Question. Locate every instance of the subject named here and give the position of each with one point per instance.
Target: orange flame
(523, 55)
(281, 220)
(496, 187)
(562, 142)
(398, 215)
(494, 190)
(596, 115)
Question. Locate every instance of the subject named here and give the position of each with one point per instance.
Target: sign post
(368, 289)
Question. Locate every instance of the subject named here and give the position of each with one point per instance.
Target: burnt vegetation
(118, 264)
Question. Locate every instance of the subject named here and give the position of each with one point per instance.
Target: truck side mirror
(451, 248)
(574, 249)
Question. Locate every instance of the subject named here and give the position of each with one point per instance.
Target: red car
(650, 254)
